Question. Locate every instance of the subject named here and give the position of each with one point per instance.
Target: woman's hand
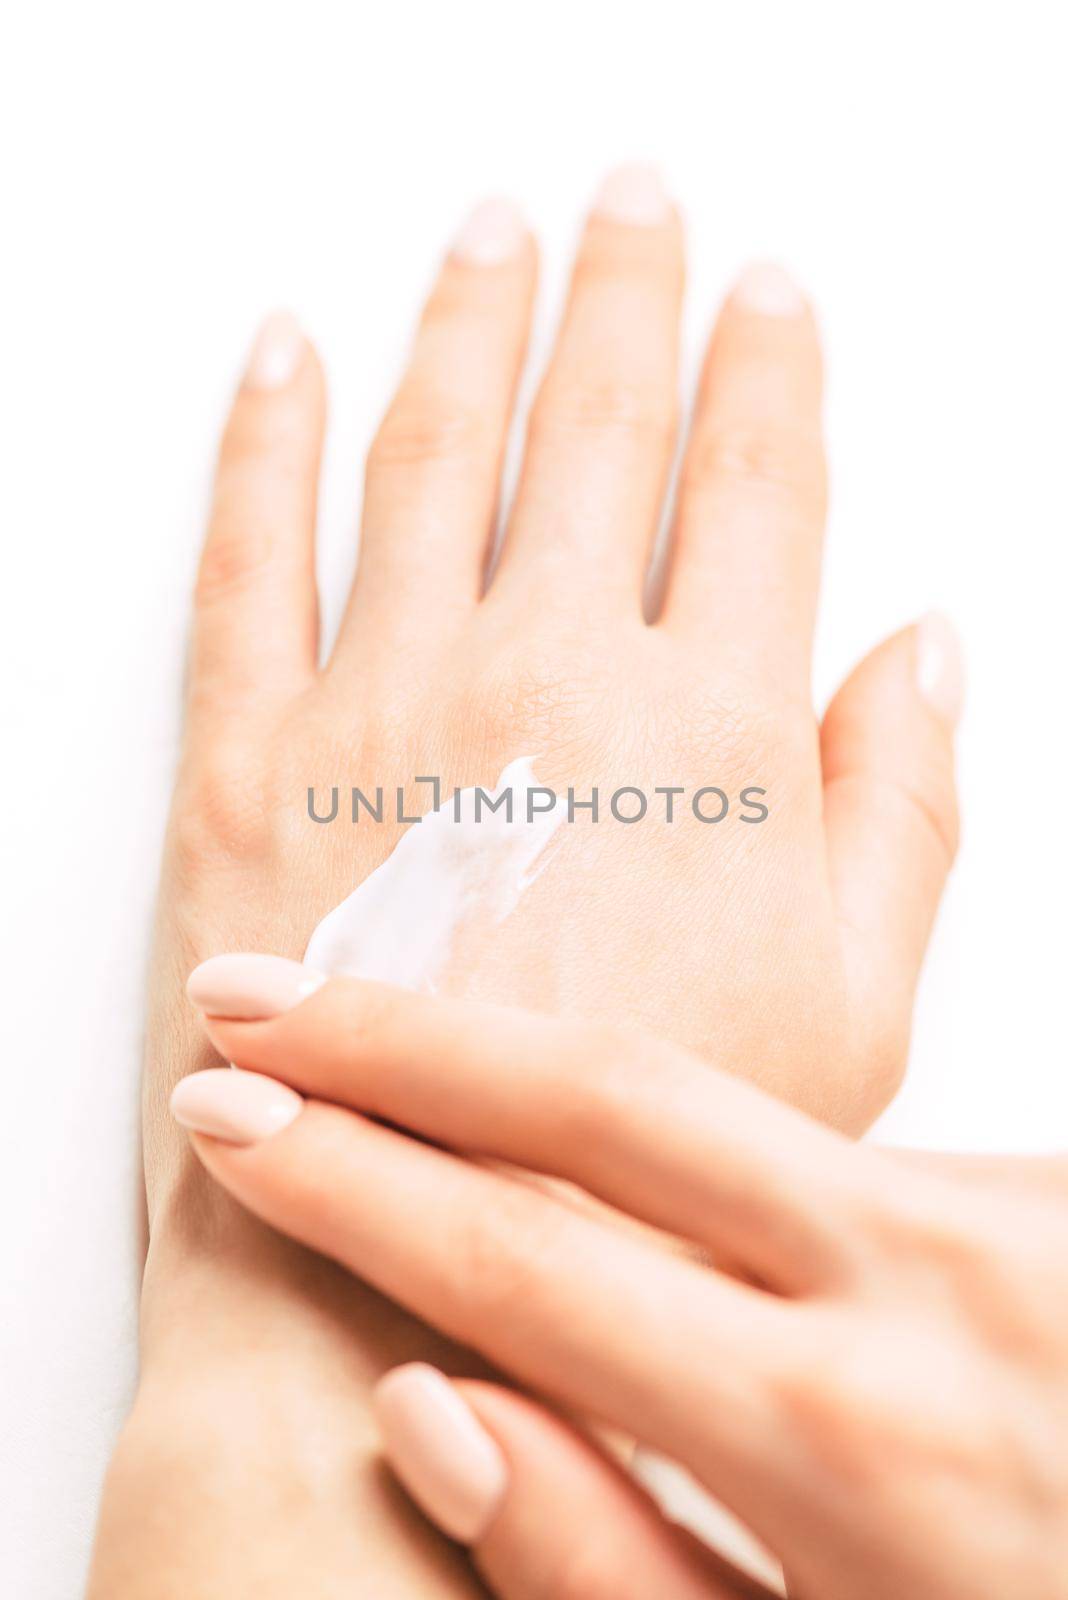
(873, 1375)
(789, 949)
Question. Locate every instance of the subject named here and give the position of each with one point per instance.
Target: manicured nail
(229, 1103)
(446, 1460)
(493, 234)
(940, 666)
(277, 352)
(634, 194)
(251, 988)
(769, 291)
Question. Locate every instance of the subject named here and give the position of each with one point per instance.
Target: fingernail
(229, 1103)
(940, 666)
(634, 194)
(769, 291)
(446, 1460)
(277, 352)
(493, 234)
(251, 988)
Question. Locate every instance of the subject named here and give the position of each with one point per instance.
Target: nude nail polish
(768, 290)
(442, 1454)
(635, 195)
(229, 1103)
(251, 987)
(940, 666)
(276, 353)
(493, 234)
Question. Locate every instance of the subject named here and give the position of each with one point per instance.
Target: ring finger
(749, 530)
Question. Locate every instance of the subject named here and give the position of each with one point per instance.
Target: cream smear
(459, 865)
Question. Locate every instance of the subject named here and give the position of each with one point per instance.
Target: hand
(879, 1388)
(787, 949)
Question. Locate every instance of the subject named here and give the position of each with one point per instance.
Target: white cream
(684, 1501)
(461, 864)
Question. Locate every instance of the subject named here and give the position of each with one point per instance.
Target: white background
(174, 171)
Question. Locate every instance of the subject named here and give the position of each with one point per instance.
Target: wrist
(240, 1303)
(248, 1467)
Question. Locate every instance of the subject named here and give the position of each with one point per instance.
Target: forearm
(185, 1515)
(249, 1465)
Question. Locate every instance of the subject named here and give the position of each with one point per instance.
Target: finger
(585, 1311)
(745, 561)
(648, 1128)
(543, 1510)
(256, 617)
(433, 470)
(890, 808)
(601, 433)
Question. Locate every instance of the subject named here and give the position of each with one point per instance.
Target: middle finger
(602, 430)
(579, 1310)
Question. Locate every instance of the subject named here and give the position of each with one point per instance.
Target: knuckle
(256, 499)
(734, 733)
(626, 1067)
(929, 798)
(588, 1569)
(505, 1253)
(758, 459)
(599, 1102)
(938, 813)
(949, 1239)
(833, 1405)
(218, 815)
(529, 695)
(536, 695)
(378, 1010)
(987, 1261)
(810, 1391)
(632, 412)
(426, 430)
(233, 560)
(929, 802)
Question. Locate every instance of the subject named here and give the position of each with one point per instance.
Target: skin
(879, 1389)
(786, 950)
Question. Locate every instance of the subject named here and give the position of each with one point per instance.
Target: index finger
(581, 1310)
(644, 1126)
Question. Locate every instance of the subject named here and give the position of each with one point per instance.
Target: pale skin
(879, 1387)
(788, 952)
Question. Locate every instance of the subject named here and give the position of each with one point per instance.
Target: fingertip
(450, 1465)
(493, 234)
(766, 289)
(635, 195)
(277, 354)
(237, 1107)
(239, 987)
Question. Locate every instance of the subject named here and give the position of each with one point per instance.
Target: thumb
(890, 811)
(542, 1509)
